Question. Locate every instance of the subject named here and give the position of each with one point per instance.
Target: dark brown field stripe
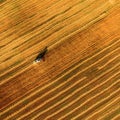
(55, 30)
(12, 32)
(5, 6)
(11, 56)
(39, 24)
(76, 30)
(91, 110)
(45, 107)
(88, 63)
(2, 72)
(29, 5)
(29, 46)
(106, 101)
(2, 1)
(73, 72)
(27, 109)
(1, 46)
(20, 60)
(47, 6)
(117, 117)
(39, 102)
(73, 66)
(57, 108)
(113, 114)
(43, 8)
(3, 76)
(12, 72)
(81, 105)
(10, 13)
(44, 30)
(66, 11)
(23, 26)
(67, 111)
(97, 55)
(102, 110)
(23, 2)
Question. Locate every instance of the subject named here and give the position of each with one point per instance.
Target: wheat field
(80, 77)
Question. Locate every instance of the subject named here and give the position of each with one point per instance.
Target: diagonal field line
(59, 78)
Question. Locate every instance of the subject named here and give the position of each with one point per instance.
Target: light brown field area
(80, 77)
